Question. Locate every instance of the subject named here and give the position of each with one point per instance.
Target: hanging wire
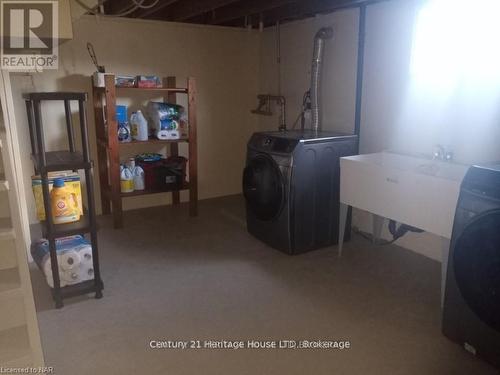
(133, 7)
(278, 54)
(305, 98)
(93, 56)
(140, 4)
(87, 8)
(297, 120)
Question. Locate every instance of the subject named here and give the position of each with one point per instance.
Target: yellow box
(72, 182)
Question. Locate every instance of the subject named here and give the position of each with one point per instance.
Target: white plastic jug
(137, 175)
(126, 181)
(139, 126)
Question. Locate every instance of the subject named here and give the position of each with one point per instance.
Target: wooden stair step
(4, 184)
(9, 280)
(15, 347)
(7, 234)
(25, 360)
(12, 313)
(6, 230)
(8, 254)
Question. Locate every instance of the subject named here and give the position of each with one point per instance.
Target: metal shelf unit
(71, 159)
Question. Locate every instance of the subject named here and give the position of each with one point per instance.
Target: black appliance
(471, 310)
(291, 188)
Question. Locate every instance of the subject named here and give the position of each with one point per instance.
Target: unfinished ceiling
(239, 13)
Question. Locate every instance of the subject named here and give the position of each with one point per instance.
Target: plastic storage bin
(164, 174)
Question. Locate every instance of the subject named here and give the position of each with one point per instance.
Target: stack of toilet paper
(74, 256)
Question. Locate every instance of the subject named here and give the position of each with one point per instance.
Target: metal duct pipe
(318, 52)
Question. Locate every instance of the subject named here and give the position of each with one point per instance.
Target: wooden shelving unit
(45, 162)
(109, 147)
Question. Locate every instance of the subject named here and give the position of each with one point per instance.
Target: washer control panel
(269, 143)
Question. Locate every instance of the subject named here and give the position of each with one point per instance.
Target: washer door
(476, 262)
(263, 187)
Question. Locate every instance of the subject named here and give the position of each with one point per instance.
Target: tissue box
(148, 81)
(125, 81)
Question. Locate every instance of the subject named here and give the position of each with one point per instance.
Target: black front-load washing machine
(471, 310)
(291, 188)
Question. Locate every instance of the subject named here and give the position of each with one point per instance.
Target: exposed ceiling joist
(162, 4)
(325, 6)
(118, 6)
(236, 13)
(189, 9)
(248, 8)
(310, 8)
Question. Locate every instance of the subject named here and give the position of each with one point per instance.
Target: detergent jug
(64, 203)
(126, 180)
(137, 175)
(139, 126)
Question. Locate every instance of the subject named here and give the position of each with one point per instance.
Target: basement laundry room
(250, 187)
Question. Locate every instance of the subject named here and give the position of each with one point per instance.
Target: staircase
(19, 335)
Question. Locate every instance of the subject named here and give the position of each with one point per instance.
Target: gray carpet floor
(171, 277)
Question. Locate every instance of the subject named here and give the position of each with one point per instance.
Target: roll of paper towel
(71, 276)
(69, 260)
(86, 256)
(87, 264)
(78, 275)
(50, 280)
(74, 256)
(86, 272)
(66, 277)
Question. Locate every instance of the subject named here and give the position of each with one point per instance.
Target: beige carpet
(171, 277)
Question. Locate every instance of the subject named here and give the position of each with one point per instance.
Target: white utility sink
(413, 190)
(409, 189)
(408, 163)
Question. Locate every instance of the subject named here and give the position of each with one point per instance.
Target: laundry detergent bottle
(137, 174)
(139, 126)
(126, 180)
(64, 203)
(123, 125)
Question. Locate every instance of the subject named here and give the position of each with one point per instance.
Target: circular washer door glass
(263, 187)
(476, 261)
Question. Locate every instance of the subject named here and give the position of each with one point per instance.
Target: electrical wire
(397, 233)
(297, 119)
(135, 5)
(93, 56)
(87, 8)
(278, 54)
(369, 237)
(305, 98)
(140, 4)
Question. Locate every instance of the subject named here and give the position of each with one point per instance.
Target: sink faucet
(440, 153)
(448, 155)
